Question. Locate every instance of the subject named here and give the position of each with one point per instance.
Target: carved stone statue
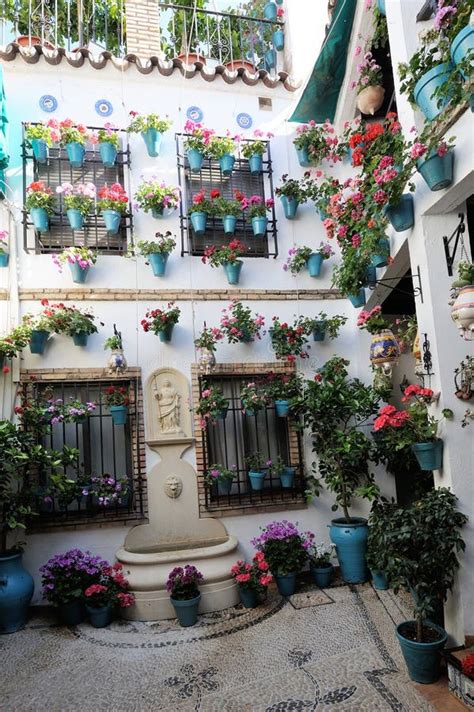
(168, 408)
(173, 486)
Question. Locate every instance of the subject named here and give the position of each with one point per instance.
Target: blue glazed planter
(462, 46)
(287, 477)
(319, 331)
(99, 617)
(351, 546)
(270, 11)
(79, 275)
(381, 7)
(112, 220)
(40, 219)
(195, 160)
(40, 150)
(152, 138)
(322, 214)
(422, 659)
(223, 413)
(119, 414)
(303, 157)
(198, 221)
(437, 171)
(249, 413)
(255, 164)
(80, 339)
(286, 584)
(314, 264)
(259, 226)
(282, 408)
(158, 262)
(76, 218)
(16, 591)
(248, 597)
(232, 270)
(75, 152)
(4, 259)
(290, 206)
(226, 164)
(224, 486)
(402, 215)
(322, 575)
(38, 340)
(71, 612)
(381, 259)
(166, 334)
(270, 59)
(157, 213)
(426, 85)
(429, 455)
(229, 222)
(370, 276)
(108, 153)
(256, 480)
(357, 300)
(379, 580)
(186, 611)
(279, 40)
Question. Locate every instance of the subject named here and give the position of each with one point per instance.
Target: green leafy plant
(72, 133)
(140, 123)
(292, 188)
(211, 404)
(257, 462)
(289, 340)
(218, 256)
(218, 473)
(351, 273)
(108, 135)
(163, 243)
(238, 323)
(71, 320)
(258, 146)
(157, 320)
(329, 324)
(155, 194)
(221, 146)
(282, 545)
(39, 195)
(225, 206)
(15, 340)
(39, 131)
(114, 343)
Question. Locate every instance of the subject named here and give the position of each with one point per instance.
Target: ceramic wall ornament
(244, 120)
(384, 350)
(462, 312)
(103, 107)
(206, 361)
(48, 103)
(194, 113)
(117, 363)
(464, 379)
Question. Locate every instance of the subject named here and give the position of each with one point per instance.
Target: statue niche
(169, 404)
(168, 419)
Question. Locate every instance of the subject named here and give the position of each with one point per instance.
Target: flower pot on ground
(151, 127)
(155, 196)
(350, 539)
(286, 584)
(283, 548)
(322, 575)
(437, 170)
(248, 597)
(462, 47)
(183, 587)
(38, 341)
(71, 612)
(112, 203)
(319, 556)
(379, 580)
(402, 215)
(252, 579)
(100, 617)
(422, 659)
(425, 87)
(429, 455)
(17, 588)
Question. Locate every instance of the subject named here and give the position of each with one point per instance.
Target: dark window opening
(470, 224)
(384, 60)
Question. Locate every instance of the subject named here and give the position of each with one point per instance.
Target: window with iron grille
(227, 442)
(240, 179)
(58, 170)
(104, 449)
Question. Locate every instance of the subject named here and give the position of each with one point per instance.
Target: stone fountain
(175, 535)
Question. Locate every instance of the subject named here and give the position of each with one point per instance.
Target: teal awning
(319, 100)
(4, 155)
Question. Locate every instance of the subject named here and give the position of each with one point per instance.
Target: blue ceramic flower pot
(38, 340)
(112, 220)
(108, 153)
(282, 408)
(152, 138)
(380, 259)
(250, 413)
(357, 300)
(321, 575)
(256, 479)
(79, 274)
(157, 213)
(195, 160)
(319, 331)
(463, 46)
(4, 259)
(71, 612)
(186, 611)
(303, 157)
(429, 455)
(426, 85)
(158, 262)
(351, 546)
(314, 264)
(232, 270)
(287, 477)
(119, 414)
(270, 59)
(166, 334)
(80, 339)
(99, 617)
(270, 11)
(226, 164)
(248, 597)
(402, 215)
(381, 7)
(286, 584)
(40, 150)
(279, 40)
(75, 153)
(437, 171)
(379, 580)
(259, 226)
(40, 219)
(16, 591)
(76, 218)
(229, 222)
(290, 206)
(255, 164)
(422, 659)
(224, 486)
(223, 413)
(198, 221)
(322, 214)
(370, 276)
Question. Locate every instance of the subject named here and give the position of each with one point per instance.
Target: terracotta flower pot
(370, 99)
(240, 64)
(31, 40)
(191, 58)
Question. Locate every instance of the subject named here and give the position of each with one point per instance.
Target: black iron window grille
(229, 441)
(104, 449)
(58, 170)
(211, 177)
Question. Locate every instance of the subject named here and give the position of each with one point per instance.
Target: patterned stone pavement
(319, 651)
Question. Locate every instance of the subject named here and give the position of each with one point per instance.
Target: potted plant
(301, 257)
(41, 326)
(333, 407)
(226, 256)
(222, 149)
(206, 343)
(226, 208)
(109, 144)
(12, 343)
(253, 150)
(73, 322)
(79, 259)
(4, 256)
(110, 592)
(350, 275)
(161, 321)
(239, 324)
(156, 251)
(252, 579)
(73, 137)
(212, 406)
(319, 556)
(376, 551)
(292, 192)
(253, 398)
(282, 545)
(108, 490)
(421, 544)
(257, 465)
(78, 200)
(117, 362)
(278, 470)
(278, 36)
(384, 348)
(221, 477)
(196, 144)
(117, 399)
(370, 92)
(152, 128)
(156, 196)
(40, 137)
(40, 204)
(199, 210)
(256, 212)
(183, 587)
(289, 340)
(112, 203)
(436, 164)
(72, 411)
(315, 143)
(323, 324)
(283, 388)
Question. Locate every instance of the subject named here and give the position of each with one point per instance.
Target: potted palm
(196, 144)
(227, 257)
(117, 400)
(252, 579)
(183, 587)
(292, 193)
(73, 137)
(283, 547)
(155, 196)
(301, 257)
(112, 203)
(40, 204)
(220, 477)
(161, 321)
(109, 144)
(152, 128)
(156, 251)
(212, 406)
(79, 259)
(319, 556)
(78, 199)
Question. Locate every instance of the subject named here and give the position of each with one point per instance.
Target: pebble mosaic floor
(318, 651)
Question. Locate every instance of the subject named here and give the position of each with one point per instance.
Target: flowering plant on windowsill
(116, 395)
(198, 137)
(183, 583)
(289, 340)
(372, 321)
(108, 490)
(79, 196)
(73, 133)
(255, 576)
(208, 338)
(39, 195)
(217, 256)
(140, 123)
(225, 206)
(282, 545)
(112, 588)
(258, 146)
(212, 404)
(253, 396)
(238, 323)
(113, 198)
(153, 194)
(83, 256)
(256, 207)
(217, 473)
(108, 135)
(161, 319)
(257, 462)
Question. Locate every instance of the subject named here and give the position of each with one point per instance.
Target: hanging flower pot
(381, 7)
(152, 138)
(198, 221)
(287, 477)
(351, 546)
(319, 331)
(256, 480)
(270, 11)
(75, 152)
(380, 259)
(80, 338)
(166, 334)
(379, 580)
(255, 164)
(401, 215)
(384, 348)
(100, 617)
(79, 274)
(226, 163)
(112, 220)
(462, 46)
(270, 59)
(314, 264)
(108, 153)
(38, 340)
(229, 222)
(429, 455)
(279, 40)
(303, 157)
(286, 584)
(222, 415)
(40, 219)
(422, 659)
(358, 299)
(195, 160)
(75, 218)
(40, 150)
(119, 414)
(322, 575)
(259, 225)
(370, 276)
(462, 311)
(282, 408)
(425, 87)
(17, 591)
(437, 171)
(224, 486)
(4, 259)
(290, 206)
(158, 262)
(370, 99)
(232, 270)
